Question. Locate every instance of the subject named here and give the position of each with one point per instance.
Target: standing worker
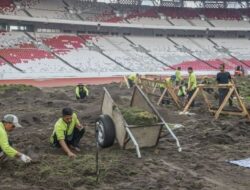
(192, 84)
(178, 77)
(223, 77)
(67, 132)
(81, 91)
(8, 124)
(132, 79)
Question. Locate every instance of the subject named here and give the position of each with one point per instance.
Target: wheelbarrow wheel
(105, 131)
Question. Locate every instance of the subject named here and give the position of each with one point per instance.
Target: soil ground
(202, 165)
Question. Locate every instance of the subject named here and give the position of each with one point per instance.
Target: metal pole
(97, 156)
(134, 141)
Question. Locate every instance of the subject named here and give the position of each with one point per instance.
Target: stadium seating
(72, 49)
(33, 60)
(179, 12)
(103, 12)
(115, 54)
(6, 69)
(221, 14)
(123, 51)
(62, 43)
(237, 47)
(162, 49)
(6, 5)
(13, 39)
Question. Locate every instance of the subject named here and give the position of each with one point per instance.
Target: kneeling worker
(8, 124)
(67, 132)
(81, 91)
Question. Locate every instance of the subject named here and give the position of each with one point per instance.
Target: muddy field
(207, 145)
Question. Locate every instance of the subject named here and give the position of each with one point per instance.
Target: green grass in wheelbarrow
(137, 116)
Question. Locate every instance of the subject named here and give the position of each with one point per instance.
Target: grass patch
(17, 87)
(137, 116)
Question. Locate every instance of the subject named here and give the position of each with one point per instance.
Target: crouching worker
(67, 132)
(182, 94)
(8, 124)
(207, 82)
(81, 91)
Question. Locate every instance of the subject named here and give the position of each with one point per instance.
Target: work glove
(25, 159)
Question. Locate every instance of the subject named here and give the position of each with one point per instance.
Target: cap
(10, 118)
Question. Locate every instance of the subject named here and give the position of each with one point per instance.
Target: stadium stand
(238, 47)
(73, 49)
(163, 49)
(130, 55)
(33, 60)
(6, 68)
(88, 53)
(6, 5)
(13, 39)
(102, 12)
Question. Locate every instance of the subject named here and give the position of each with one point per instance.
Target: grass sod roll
(137, 116)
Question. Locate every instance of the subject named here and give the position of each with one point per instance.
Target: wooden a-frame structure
(217, 111)
(150, 86)
(124, 82)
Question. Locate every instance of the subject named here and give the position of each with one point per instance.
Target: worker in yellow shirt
(182, 93)
(192, 84)
(8, 124)
(178, 77)
(132, 79)
(81, 91)
(67, 132)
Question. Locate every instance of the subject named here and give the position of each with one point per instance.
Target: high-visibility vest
(81, 88)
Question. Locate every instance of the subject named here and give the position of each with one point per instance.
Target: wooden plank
(206, 99)
(174, 96)
(242, 105)
(162, 96)
(124, 81)
(191, 100)
(229, 112)
(145, 136)
(110, 108)
(215, 85)
(231, 90)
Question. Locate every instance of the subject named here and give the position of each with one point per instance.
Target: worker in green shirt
(192, 84)
(8, 124)
(67, 132)
(81, 91)
(178, 77)
(132, 79)
(182, 92)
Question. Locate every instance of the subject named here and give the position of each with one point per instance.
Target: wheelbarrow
(111, 124)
